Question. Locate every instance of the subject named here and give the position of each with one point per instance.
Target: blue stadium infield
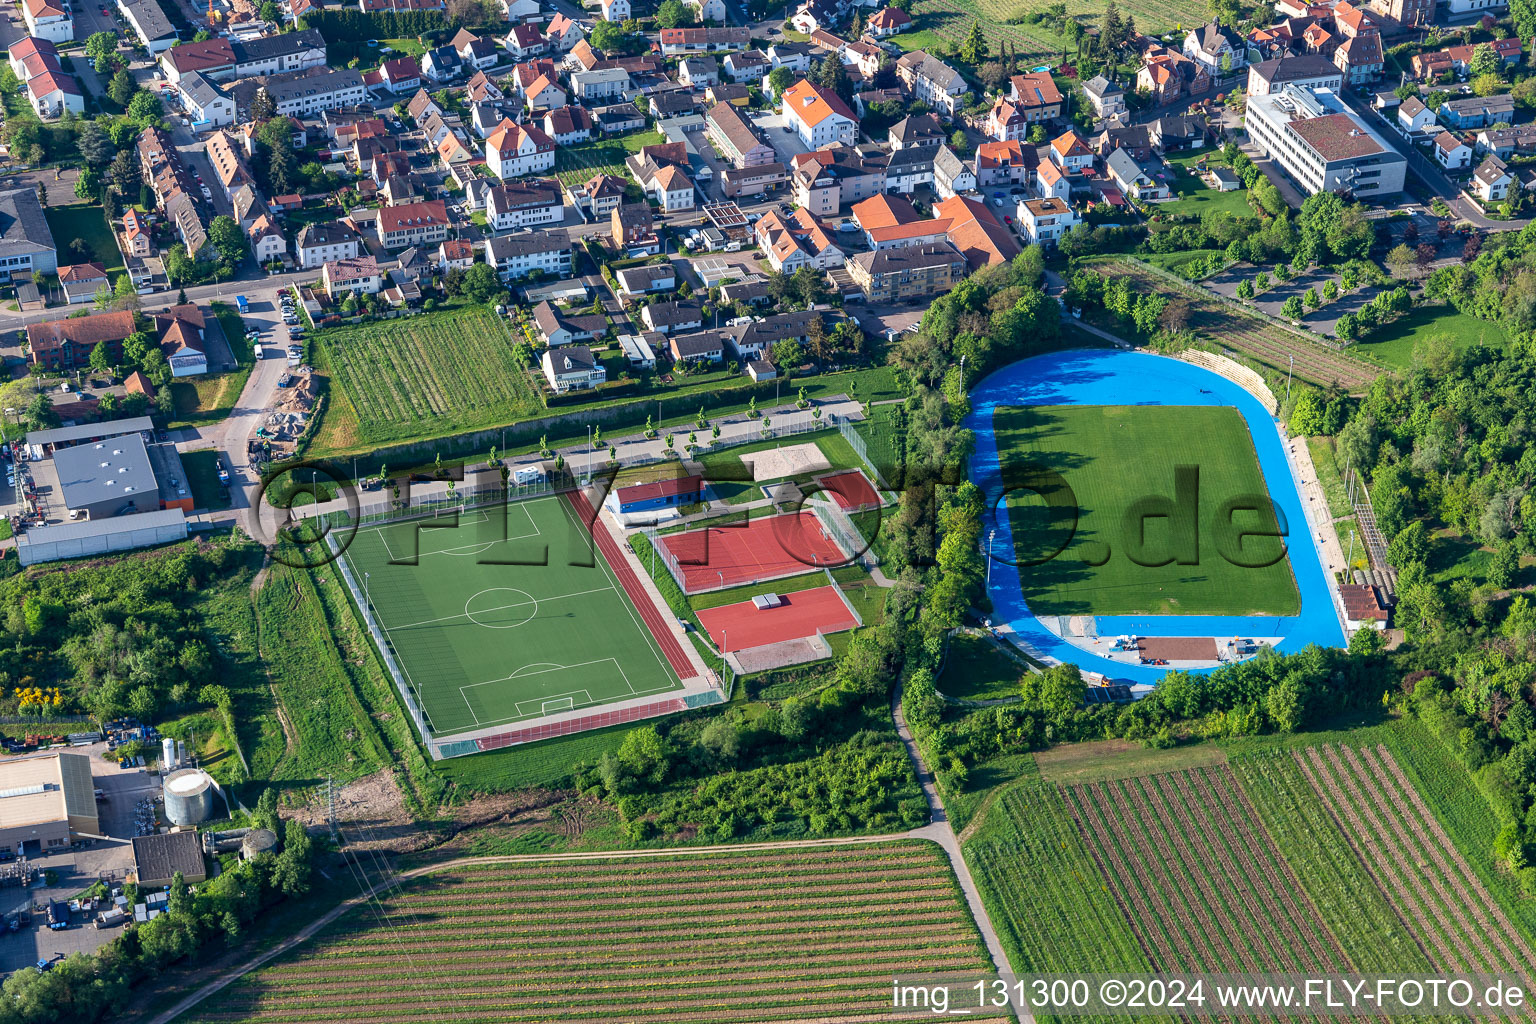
(1117, 378)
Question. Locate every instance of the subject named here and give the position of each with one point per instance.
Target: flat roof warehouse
(91, 474)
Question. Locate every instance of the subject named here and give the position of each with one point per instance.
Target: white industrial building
(1323, 146)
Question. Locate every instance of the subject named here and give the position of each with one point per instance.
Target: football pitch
(509, 614)
(1150, 510)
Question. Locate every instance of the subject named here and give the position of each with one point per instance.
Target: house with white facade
(572, 367)
(524, 204)
(1044, 221)
(356, 274)
(546, 252)
(819, 116)
(49, 19)
(513, 150)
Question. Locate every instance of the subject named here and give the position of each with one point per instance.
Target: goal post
(555, 704)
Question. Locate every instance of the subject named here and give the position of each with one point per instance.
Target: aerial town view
(728, 511)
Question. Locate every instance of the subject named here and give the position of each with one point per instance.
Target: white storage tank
(258, 841)
(188, 796)
(169, 762)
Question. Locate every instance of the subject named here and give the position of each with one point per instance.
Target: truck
(223, 472)
(111, 918)
(242, 305)
(58, 915)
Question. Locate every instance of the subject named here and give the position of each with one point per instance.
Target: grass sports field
(1119, 465)
(505, 617)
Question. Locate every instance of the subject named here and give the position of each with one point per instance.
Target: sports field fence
(556, 481)
(836, 522)
(845, 427)
(843, 595)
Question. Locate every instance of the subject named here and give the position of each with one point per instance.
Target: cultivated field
(1319, 860)
(436, 373)
(754, 936)
(1114, 458)
(1201, 880)
(576, 164)
(950, 20)
(1249, 335)
(1411, 858)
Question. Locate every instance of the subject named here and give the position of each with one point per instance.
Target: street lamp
(990, 538)
(367, 595)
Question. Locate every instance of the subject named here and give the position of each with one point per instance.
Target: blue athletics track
(1108, 377)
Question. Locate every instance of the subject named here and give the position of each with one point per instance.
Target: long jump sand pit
(778, 463)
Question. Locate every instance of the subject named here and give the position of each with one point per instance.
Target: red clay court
(851, 490)
(745, 625)
(752, 551)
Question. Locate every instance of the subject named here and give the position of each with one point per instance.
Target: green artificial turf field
(488, 644)
(1119, 461)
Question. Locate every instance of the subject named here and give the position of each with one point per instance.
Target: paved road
(939, 831)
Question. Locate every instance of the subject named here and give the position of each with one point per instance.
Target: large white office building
(1321, 145)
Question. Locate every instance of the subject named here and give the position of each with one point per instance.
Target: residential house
(401, 75)
(917, 130)
(530, 253)
(697, 72)
(574, 367)
(1414, 116)
(1306, 70)
(708, 10)
(951, 175)
(421, 224)
(136, 236)
(703, 347)
(1045, 221)
(1174, 133)
(819, 116)
(1168, 77)
(1136, 139)
(1004, 163)
(544, 93)
(1052, 182)
(908, 168)
(353, 275)
(752, 181)
(1492, 179)
(562, 33)
(514, 149)
(618, 118)
(728, 92)
(442, 64)
(180, 334)
(615, 10)
(150, 24)
(569, 125)
(1452, 151)
(679, 41)
(525, 41)
(67, 344)
(747, 66)
(32, 56)
(887, 22)
(1212, 47)
(911, 273)
(1468, 112)
(486, 117)
(524, 203)
(974, 230)
(736, 137)
(666, 103)
(632, 229)
(479, 89)
(1506, 142)
(1071, 153)
(672, 317)
(49, 19)
(224, 58)
(206, 104)
(646, 280)
(268, 244)
(304, 94)
(891, 222)
(1359, 52)
(1107, 98)
(54, 93)
(601, 194)
(932, 81)
(81, 280)
(600, 84)
(795, 56)
(795, 240)
(1136, 178)
(559, 329)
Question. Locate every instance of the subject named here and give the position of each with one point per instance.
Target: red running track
(654, 620)
(752, 551)
(745, 625)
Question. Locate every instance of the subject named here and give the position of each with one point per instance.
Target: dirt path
(290, 735)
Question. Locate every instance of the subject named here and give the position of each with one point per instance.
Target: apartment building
(1322, 145)
(914, 272)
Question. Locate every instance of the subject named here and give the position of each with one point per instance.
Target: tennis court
(508, 614)
(751, 551)
(736, 627)
(851, 490)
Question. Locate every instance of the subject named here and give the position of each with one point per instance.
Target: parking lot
(77, 868)
(786, 144)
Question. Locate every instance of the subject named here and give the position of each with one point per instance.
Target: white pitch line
(498, 608)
